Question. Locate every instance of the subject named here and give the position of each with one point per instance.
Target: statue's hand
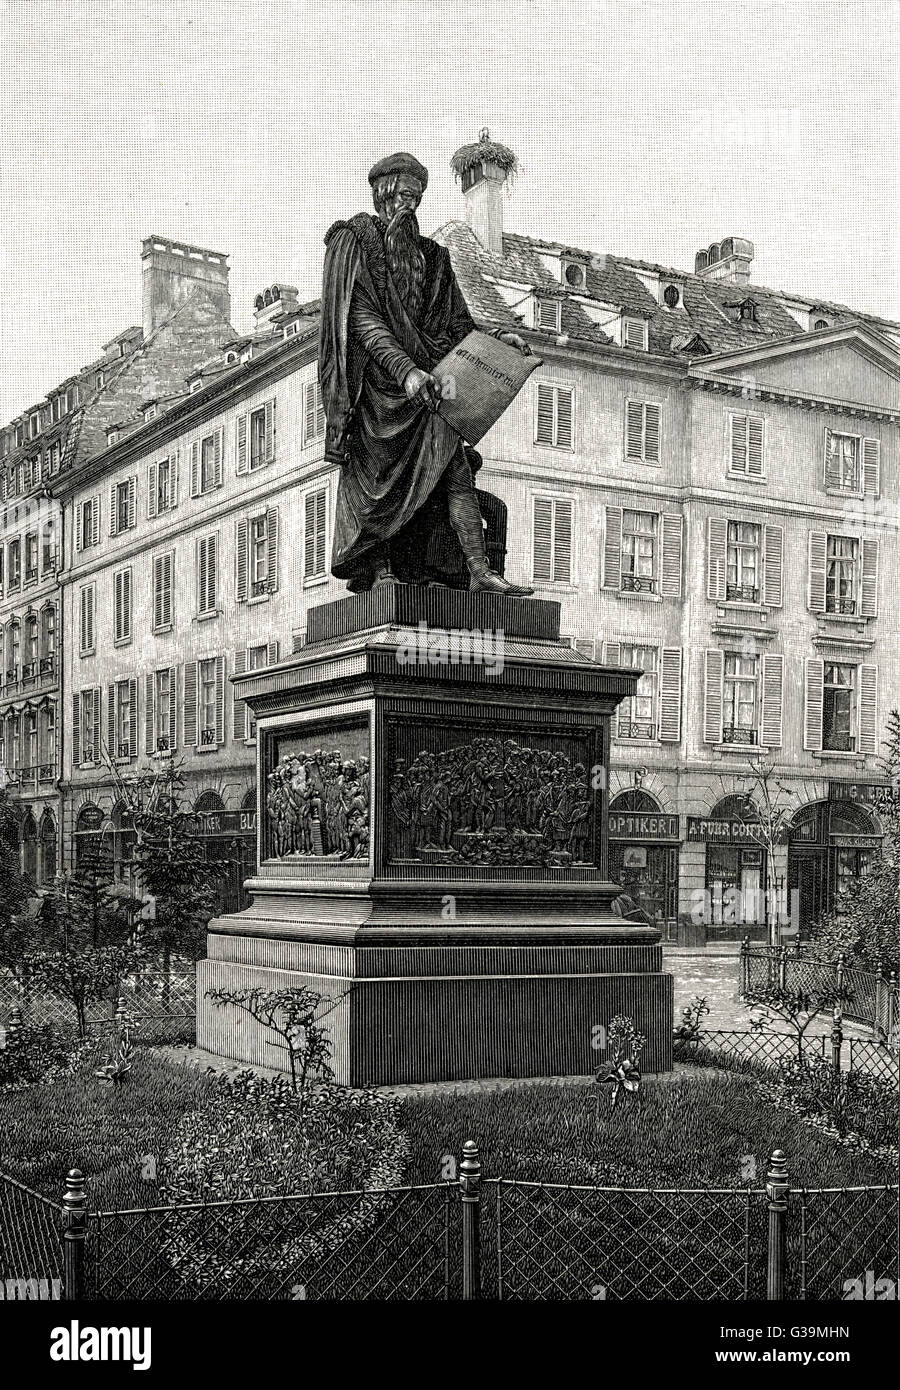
(514, 340)
(422, 387)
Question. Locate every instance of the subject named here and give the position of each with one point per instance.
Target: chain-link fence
(871, 997)
(162, 1003)
(748, 1050)
(30, 1242)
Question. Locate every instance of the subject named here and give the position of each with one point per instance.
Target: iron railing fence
(31, 1251)
(493, 1238)
(162, 1003)
(750, 1048)
(872, 996)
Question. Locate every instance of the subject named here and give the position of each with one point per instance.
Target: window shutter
(321, 532)
(149, 728)
(612, 653)
(79, 540)
(273, 651)
(612, 548)
(298, 641)
(217, 457)
(167, 587)
(133, 715)
(812, 704)
(152, 477)
(651, 432)
(830, 467)
(585, 645)
(320, 408)
(270, 431)
(309, 411)
(714, 670)
(202, 603)
(95, 722)
(868, 605)
(272, 548)
(755, 446)
(564, 418)
(773, 566)
(634, 430)
(126, 601)
(113, 512)
(111, 721)
(544, 424)
(132, 502)
(672, 548)
(868, 709)
(815, 582)
(716, 556)
(220, 699)
(190, 704)
(772, 699)
(562, 548)
(738, 443)
(871, 467)
(239, 707)
(173, 708)
(241, 437)
(174, 462)
(195, 468)
(543, 539)
(95, 520)
(242, 559)
(157, 592)
(670, 695)
(76, 729)
(212, 571)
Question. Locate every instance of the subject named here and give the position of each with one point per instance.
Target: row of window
(142, 715)
(743, 697)
(254, 447)
(27, 559)
(28, 743)
(28, 646)
(31, 472)
(256, 555)
(643, 552)
(851, 462)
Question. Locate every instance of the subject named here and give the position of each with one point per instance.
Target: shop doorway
(643, 856)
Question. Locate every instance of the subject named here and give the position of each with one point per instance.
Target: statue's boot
(466, 520)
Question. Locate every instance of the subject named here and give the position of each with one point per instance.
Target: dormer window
(671, 296)
(246, 354)
(149, 412)
(195, 384)
(231, 358)
(112, 436)
(292, 329)
(34, 424)
(820, 323)
(101, 381)
(747, 309)
(634, 333)
(547, 314)
(575, 274)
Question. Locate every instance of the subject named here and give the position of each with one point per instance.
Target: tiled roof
(708, 308)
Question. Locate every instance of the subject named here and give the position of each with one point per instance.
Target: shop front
(229, 839)
(735, 878)
(643, 856)
(831, 843)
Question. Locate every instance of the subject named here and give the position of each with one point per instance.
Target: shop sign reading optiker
(643, 826)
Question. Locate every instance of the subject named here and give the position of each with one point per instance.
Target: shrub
(30, 1053)
(852, 1105)
(258, 1138)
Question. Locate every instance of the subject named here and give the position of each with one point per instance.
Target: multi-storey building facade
(186, 318)
(703, 472)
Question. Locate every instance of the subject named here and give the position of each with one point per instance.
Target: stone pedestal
(432, 847)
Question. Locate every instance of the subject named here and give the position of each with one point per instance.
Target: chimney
(726, 260)
(482, 170)
(173, 270)
(272, 303)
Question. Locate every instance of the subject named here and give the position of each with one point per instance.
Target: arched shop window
(736, 861)
(29, 835)
(643, 855)
(853, 837)
(209, 801)
(48, 848)
(89, 839)
(124, 841)
(249, 801)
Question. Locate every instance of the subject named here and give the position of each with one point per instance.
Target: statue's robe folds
(393, 452)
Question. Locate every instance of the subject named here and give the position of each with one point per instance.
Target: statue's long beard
(405, 259)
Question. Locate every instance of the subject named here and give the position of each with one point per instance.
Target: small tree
(294, 1015)
(80, 975)
(773, 805)
(796, 1007)
(17, 926)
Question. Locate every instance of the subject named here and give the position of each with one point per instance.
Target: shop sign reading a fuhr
(710, 830)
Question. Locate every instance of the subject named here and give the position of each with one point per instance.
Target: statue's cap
(399, 164)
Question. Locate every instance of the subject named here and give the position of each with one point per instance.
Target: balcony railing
(845, 606)
(29, 670)
(638, 584)
(636, 728)
(47, 772)
(735, 735)
(48, 666)
(741, 593)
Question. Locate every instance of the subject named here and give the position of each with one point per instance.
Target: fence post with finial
(75, 1207)
(777, 1190)
(837, 1040)
(470, 1186)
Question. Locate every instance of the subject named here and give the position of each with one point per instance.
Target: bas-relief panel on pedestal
(491, 801)
(318, 794)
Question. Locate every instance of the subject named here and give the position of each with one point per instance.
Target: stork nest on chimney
(491, 151)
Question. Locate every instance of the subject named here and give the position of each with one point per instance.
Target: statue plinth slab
(432, 772)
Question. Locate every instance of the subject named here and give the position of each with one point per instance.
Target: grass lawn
(107, 1132)
(694, 1129)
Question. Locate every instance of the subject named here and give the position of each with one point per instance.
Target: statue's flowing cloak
(393, 452)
